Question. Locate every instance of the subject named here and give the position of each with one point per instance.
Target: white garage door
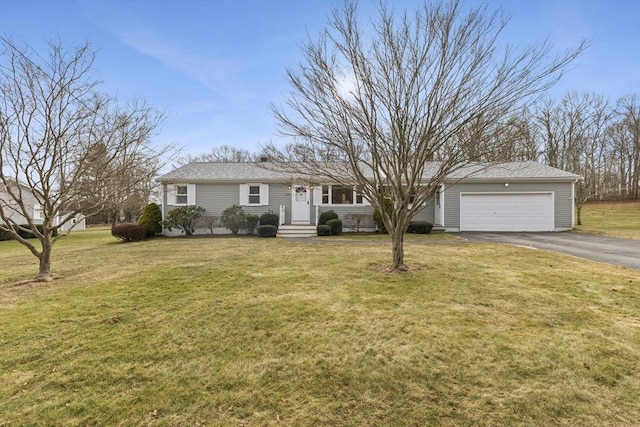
(506, 212)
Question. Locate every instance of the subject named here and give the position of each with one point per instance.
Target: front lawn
(222, 331)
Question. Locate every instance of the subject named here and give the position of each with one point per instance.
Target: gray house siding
(216, 197)
(562, 191)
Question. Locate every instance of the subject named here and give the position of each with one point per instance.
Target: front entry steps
(296, 231)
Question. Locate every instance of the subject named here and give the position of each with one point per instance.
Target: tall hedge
(151, 219)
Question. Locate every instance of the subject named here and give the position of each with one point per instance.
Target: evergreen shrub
(323, 230)
(420, 227)
(327, 216)
(336, 226)
(151, 219)
(270, 218)
(267, 230)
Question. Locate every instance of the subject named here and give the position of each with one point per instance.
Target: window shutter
(244, 194)
(171, 195)
(264, 194)
(317, 195)
(365, 201)
(191, 194)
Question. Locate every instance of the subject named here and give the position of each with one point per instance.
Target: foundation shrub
(323, 230)
(420, 227)
(270, 218)
(267, 230)
(129, 232)
(327, 216)
(252, 223)
(336, 226)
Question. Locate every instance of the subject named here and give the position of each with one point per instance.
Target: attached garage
(530, 211)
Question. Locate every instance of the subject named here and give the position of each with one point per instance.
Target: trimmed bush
(151, 219)
(234, 219)
(25, 234)
(327, 216)
(252, 223)
(267, 230)
(323, 230)
(377, 216)
(270, 218)
(129, 232)
(420, 227)
(336, 226)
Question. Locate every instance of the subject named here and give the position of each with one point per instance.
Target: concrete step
(292, 230)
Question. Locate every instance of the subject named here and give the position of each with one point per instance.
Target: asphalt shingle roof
(238, 172)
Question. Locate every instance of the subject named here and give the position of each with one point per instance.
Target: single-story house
(514, 196)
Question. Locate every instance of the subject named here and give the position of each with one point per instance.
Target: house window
(182, 197)
(326, 190)
(340, 195)
(254, 194)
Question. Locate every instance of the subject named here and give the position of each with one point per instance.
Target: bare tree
(574, 138)
(625, 148)
(223, 153)
(383, 103)
(62, 142)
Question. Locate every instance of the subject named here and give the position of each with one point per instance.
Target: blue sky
(215, 66)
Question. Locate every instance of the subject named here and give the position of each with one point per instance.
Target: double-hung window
(254, 194)
(182, 195)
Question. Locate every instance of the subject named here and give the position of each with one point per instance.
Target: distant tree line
(583, 133)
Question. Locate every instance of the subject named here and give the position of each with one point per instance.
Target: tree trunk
(397, 248)
(44, 272)
(579, 213)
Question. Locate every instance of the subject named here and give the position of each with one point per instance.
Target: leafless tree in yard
(574, 138)
(625, 137)
(64, 142)
(222, 153)
(382, 101)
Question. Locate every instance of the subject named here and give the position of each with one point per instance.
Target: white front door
(300, 206)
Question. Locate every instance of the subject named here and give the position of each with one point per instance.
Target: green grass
(614, 219)
(221, 331)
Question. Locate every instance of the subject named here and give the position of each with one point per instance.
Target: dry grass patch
(269, 332)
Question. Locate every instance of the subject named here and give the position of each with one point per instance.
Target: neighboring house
(14, 213)
(515, 196)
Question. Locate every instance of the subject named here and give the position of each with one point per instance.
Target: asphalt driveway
(610, 250)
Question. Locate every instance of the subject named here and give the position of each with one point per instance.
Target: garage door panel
(506, 212)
